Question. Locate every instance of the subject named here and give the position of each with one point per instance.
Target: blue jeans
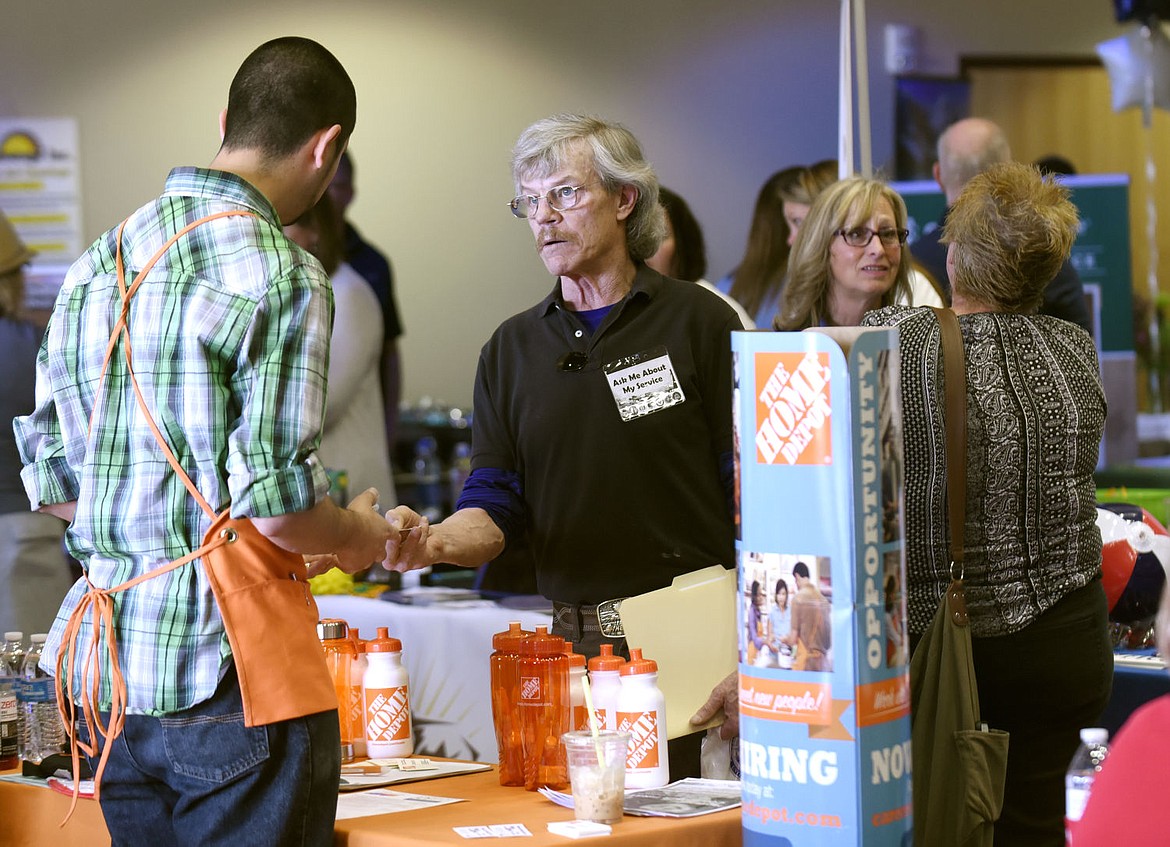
(200, 777)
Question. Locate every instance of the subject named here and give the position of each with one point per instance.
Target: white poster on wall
(40, 193)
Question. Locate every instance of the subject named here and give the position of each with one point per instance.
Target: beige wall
(721, 92)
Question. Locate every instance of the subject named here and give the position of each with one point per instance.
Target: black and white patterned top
(1035, 416)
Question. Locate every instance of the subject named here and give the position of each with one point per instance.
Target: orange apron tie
(97, 602)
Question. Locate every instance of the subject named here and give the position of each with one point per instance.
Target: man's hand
(410, 546)
(369, 542)
(725, 697)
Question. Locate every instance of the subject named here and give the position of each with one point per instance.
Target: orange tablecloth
(29, 818)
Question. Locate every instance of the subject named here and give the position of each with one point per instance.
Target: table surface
(29, 817)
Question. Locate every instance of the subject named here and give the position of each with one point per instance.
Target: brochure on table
(825, 750)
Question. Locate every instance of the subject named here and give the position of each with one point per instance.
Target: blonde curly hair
(1012, 229)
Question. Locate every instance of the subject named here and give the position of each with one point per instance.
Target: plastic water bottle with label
(1083, 770)
(41, 732)
(386, 697)
(428, 479)
(11, 663)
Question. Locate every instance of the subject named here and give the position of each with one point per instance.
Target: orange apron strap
(97, 602)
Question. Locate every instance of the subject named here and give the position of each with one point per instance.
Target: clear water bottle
(459, 471)
(428, 479)
(11, 663)
(12, 655)
(1078, 781)
(41, 732)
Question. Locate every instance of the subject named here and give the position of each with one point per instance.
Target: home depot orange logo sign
(792, 409)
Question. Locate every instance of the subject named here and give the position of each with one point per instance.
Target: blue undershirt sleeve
(499, 493)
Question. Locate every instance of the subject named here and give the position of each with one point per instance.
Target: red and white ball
(1135, 560)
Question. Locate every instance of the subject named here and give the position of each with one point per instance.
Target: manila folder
(688, 629)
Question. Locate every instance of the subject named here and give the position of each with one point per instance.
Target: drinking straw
(597, 746)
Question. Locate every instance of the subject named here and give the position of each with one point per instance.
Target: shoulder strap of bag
(97, 603)
(955, 417)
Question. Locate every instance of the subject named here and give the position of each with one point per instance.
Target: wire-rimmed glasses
(559, 199)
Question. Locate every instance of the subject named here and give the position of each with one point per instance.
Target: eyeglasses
(860, 236)
(559, 199)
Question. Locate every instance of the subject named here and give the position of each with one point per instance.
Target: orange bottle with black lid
(505, 683)
(604, 684)
(340, 653)
(544, 710)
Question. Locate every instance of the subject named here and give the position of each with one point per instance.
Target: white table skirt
(445, 649)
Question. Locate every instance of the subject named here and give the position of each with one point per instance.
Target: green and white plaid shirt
(230, 337)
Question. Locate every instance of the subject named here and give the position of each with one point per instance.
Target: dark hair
(755, 588)
(286, 90)
(1054, 164)
(780, 583)
(762, 271)
(800, 569)
(690, 251)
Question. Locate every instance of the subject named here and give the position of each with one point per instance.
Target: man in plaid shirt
(230, 345)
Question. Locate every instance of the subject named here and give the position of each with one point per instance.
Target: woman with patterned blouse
(1035, 416)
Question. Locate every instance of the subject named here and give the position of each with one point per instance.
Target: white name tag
(644, 383)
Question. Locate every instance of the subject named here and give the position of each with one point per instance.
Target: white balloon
(1133, 58)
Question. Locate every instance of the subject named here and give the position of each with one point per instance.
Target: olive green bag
(959, 764)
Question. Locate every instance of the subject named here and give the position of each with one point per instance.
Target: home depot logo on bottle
(356, 708)
(642, 751)
(529, 688)
(388, 715)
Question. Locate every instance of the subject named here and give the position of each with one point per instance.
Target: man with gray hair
(966, 149)
(602, 422)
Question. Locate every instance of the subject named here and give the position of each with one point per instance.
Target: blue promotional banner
(823, 664)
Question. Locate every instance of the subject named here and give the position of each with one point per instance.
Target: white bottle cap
(1094, 735)
(39, 637)
(14, 636)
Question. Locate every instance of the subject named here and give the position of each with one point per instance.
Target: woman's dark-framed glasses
(559, 199)
(860, 236)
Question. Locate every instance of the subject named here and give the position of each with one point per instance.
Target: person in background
(683, 252)
(1127, 804)
(1055, 165)
(34, 571)
(779, 625)
(811, 636)
(1035, 415)
(353, 438)
(612, 393)
(967, 148)
(849, 257)
(230, 337)
(375, 269)
(756, 644)
(780, 208)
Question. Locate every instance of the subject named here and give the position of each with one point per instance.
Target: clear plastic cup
(597, 774)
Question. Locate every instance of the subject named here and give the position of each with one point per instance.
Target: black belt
(604, 618)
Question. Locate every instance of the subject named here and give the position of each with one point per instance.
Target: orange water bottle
(339, 657)
(505, 701)
(544, 710)
(357, 716)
